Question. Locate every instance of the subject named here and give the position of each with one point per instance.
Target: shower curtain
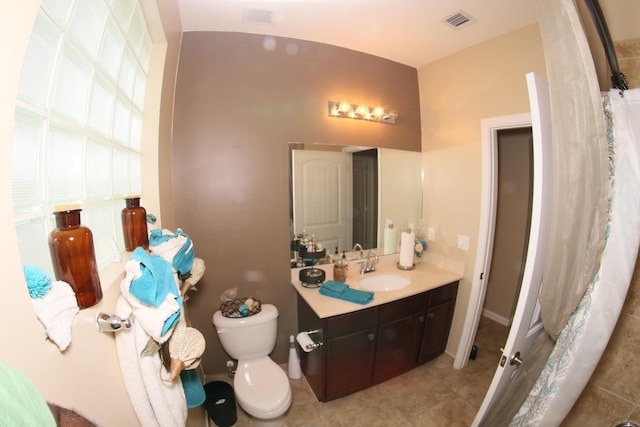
(583, 340)
(595, 226)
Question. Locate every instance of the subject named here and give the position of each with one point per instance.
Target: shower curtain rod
(618, 79)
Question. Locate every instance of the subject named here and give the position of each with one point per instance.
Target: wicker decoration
(240, 307)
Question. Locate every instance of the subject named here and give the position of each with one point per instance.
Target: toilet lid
(262, 387)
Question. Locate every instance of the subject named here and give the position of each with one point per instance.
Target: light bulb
(344, 107)
(363, 110)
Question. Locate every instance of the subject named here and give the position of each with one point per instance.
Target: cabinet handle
(431, 315)
(421, 318)
(371, 336)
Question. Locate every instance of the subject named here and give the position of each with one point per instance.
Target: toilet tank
(248, 337)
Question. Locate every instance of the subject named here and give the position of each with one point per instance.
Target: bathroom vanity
(363, 345)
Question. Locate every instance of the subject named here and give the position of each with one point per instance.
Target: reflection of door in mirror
(365, 198)
(322, 197)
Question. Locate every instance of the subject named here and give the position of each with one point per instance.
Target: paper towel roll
(390, 240)
(407, 242)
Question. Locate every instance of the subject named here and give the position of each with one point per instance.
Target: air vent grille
(459, 19)
(258, 16)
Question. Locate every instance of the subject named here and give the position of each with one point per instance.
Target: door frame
(489, 133)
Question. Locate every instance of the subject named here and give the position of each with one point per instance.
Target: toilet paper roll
(390, 240)
(305, 341)
(407, 242)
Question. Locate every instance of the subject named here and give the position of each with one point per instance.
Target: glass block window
(78, 121)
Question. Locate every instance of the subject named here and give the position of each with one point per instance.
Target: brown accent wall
(513, 220)
(237, 106)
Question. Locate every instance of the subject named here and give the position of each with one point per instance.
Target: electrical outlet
(463, 242)
(431, 233)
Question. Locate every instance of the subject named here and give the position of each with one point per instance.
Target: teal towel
(344, 292)
(156, 280)
(193, 389)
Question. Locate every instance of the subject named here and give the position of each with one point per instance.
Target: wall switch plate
(463, 242)
(431, 233)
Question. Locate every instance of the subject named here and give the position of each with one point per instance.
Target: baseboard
(496, 317)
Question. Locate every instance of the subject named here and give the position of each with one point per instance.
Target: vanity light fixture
(362, 112)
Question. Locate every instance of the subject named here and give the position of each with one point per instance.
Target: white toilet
(261, 387)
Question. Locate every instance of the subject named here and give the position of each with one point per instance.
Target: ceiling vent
(459, 19)
(258, 16)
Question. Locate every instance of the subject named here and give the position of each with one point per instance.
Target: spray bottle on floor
(295, 373)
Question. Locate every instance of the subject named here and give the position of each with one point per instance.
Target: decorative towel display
(197, 271)
(186, 347)
(156, 402)
(155, 280)
(342, 291)
(55, 305)
(407, 244)
(193, 390)
(176, 248)
(159, 353)
(156, 321)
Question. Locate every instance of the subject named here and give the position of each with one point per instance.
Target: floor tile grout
(433, 394)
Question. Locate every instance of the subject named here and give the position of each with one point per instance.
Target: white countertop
(424, 277)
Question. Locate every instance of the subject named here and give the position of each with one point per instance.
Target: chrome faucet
(369, 265)
(358, 246)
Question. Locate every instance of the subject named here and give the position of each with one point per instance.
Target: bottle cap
(67, 208)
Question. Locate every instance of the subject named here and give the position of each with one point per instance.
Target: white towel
(56, 311)
(156, 402)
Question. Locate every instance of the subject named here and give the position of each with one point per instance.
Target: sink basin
(384, 282)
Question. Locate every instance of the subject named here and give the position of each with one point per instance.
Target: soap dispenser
(340, 268)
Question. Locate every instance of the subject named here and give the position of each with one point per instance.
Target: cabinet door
(349, 363)
(436, 330)
(397, 347)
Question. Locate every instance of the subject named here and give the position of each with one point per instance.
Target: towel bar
(112, 323)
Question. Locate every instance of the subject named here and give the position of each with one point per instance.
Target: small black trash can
(220, 403)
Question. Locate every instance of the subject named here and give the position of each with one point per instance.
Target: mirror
(342, 196)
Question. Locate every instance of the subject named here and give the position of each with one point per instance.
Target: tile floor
(433, 394)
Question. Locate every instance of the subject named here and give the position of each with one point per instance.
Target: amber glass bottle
(134, 224)
(73, 256)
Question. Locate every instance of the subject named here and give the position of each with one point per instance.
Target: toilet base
(276, 422)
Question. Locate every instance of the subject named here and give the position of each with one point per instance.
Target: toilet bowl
(261, 387)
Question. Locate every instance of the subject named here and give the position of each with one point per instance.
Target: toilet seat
(262, 388)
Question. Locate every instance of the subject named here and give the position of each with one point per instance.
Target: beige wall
(456, 93)
(238, 105)
(87, 375)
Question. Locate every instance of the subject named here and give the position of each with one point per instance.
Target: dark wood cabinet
(437, 324)
(399, 334)
(375, 344)
(350, 348)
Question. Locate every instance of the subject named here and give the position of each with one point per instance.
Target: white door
(526, 320)
(322, 197)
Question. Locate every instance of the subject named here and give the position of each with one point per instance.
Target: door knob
(515, 359)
